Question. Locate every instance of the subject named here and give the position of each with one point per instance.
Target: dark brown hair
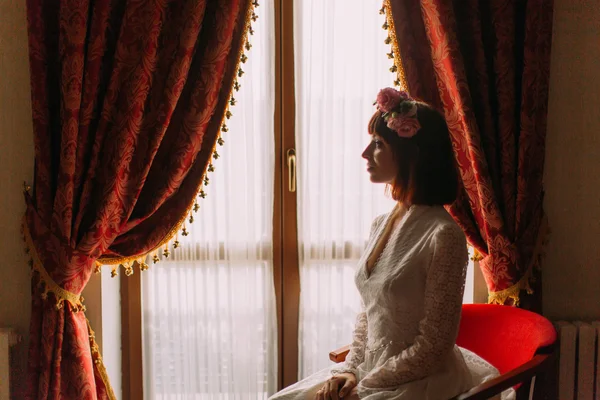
(427, 172)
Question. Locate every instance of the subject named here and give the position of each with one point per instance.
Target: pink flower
(389, 98)
(402, 120)
(405, 126)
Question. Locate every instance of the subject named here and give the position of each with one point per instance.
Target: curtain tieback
(74, 301)
(513, 291)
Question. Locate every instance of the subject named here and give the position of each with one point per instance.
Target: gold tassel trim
(99, 364)
(513, 292)
(244, 45)
(477, 256)
(74, 301)
(391, 28)
(61, 295)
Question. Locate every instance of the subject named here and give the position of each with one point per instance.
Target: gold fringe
(477, 256)
(244, 44)
(74, 301)
(401, 81)
(99, 364)
(513, 292)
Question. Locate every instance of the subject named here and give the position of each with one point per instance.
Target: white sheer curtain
(209, 314)
(341, 63)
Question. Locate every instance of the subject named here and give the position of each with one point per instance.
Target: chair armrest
(339, 355)
(498, 385)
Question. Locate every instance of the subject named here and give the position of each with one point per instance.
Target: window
(340, 64)
(263, 287)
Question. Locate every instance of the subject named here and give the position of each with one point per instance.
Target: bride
(412, 274)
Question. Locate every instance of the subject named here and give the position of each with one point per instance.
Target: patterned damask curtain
(129, 100)
(486, 65)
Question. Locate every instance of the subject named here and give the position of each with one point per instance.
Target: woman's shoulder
(440, 224)
(378, 220)
(377, 223)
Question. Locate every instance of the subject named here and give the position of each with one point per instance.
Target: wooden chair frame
(524, 374)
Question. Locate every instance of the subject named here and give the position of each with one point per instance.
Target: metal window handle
(291, 163)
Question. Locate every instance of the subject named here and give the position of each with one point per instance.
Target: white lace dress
(404, 340)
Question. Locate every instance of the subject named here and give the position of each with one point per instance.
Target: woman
(412, 274)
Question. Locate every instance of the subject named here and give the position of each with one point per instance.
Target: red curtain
(128, 102)
(486, 65)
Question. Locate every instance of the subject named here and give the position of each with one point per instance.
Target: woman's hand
(338, 387)
(353, 395)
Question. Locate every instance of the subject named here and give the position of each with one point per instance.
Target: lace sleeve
(359, 337)
(357, 349)
(438, 329)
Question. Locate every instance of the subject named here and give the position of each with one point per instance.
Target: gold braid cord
(513, 292)
(127, 263)
(99, 364)
(392, 40)
(62, 296)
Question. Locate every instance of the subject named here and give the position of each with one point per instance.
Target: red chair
(519, 343)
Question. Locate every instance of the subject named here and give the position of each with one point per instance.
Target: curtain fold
(128, 101)
(486, 65)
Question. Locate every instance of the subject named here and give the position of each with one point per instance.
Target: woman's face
(380, 160)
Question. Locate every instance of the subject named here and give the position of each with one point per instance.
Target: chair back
(506, 337)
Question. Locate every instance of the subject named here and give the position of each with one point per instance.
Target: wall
(571, 281)
(16, 166)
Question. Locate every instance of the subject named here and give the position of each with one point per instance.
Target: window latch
(291, 163)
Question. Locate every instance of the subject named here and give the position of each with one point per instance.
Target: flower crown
(399, 112)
